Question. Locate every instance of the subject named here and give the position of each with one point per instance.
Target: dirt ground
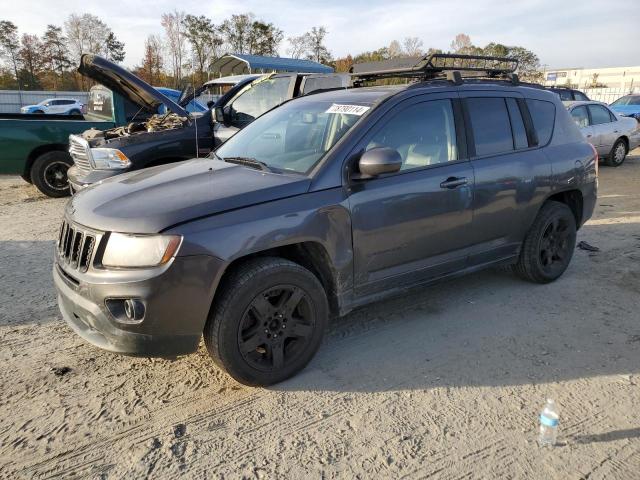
(443, 383)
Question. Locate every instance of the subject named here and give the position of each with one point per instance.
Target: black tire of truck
(549, 245)
(49, 173)
(267, 321)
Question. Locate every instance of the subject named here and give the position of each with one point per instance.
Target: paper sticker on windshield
(348, 109)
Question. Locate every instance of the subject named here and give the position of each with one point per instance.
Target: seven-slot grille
(79, 151)
(75, 246)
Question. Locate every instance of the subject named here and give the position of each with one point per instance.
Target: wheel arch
(311, 255)
(37, 152)
(574, 199)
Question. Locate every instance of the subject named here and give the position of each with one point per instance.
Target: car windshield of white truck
(295, 136)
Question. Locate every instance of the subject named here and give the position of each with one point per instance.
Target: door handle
(453, 182)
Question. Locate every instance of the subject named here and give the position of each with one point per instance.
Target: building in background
(621, 78)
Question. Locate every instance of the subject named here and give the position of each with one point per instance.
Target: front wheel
(548, 247)
(267, 321)
(49, 173)
(618, 154)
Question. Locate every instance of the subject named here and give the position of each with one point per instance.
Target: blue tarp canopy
(233, 64)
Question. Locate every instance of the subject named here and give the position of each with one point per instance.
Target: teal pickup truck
(35, 146)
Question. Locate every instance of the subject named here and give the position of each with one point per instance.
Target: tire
(246, 333)
(49, 173)
(618, 154)
(75, 112)
(37, 111)
(548, 247)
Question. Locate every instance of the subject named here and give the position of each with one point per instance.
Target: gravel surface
(443, 383)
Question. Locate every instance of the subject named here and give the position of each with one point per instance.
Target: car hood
(154, 199)
(126, 84)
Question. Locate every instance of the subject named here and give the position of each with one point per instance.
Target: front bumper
(79, 180)
(177, 304)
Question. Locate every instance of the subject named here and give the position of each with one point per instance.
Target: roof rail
(453, 65)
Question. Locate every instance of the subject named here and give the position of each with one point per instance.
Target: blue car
(627, 106)
(192, 107)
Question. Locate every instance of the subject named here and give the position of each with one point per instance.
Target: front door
(603, 128)
(414, 224)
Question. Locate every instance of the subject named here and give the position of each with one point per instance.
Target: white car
(60, 106)
(612, 135)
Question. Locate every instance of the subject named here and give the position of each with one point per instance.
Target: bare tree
(461, 44)
(395, 49)
(86, 33)
(412, 46)
(176, 42)
(298, 46)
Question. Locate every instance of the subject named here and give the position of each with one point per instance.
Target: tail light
(83, 108)
(597, 158)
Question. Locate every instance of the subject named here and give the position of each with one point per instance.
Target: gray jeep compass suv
(324, 204)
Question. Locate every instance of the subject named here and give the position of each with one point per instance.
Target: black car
(324, 204)
(174, 134)
(569, 94)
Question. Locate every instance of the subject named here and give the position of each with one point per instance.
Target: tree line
(189, 45)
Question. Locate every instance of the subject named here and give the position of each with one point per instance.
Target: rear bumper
(177, 304)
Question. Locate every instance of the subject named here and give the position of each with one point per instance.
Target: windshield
(628, 100)
(294, 136)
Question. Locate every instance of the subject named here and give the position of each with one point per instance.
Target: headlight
(125, 250)
(109, 159)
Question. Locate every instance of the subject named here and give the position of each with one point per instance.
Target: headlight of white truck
(126, 250)
(109, 159)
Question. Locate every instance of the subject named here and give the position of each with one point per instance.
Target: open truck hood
(126, 84)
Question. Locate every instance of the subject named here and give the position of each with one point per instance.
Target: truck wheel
(49, 173)
(618, 154)
(267, 321)
(548, 247)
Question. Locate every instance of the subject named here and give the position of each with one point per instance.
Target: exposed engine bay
(156, 123)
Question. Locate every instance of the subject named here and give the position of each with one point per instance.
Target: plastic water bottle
(549, 419)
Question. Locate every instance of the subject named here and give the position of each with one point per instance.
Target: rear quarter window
(543, 115)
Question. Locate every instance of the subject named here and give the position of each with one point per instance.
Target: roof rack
(451, 65)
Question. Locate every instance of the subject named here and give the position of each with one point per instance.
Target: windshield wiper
(249, 162)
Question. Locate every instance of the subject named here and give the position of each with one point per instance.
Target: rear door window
(491, 125)
(580, 116)
(543, 115)
(580, 96)
(599, 114)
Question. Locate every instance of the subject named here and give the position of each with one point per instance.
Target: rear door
(604, 129)
(580, 115)
(414, 224)
(508, 172)
(251, 102)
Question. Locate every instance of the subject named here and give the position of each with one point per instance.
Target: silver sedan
(612, 135)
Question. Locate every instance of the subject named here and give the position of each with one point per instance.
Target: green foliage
(114, 49)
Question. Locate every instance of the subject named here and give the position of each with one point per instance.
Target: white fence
(608, 95)
(12, 100)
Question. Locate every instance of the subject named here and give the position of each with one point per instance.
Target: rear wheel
(75, 112)
(267, 322)
(549, 244)
(49, 173)
(618, 154)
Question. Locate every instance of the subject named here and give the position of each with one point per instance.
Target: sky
(563, 33)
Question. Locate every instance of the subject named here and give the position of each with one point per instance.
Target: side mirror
(377, 161)
(218, 114)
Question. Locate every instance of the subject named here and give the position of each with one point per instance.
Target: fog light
(133, 309)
